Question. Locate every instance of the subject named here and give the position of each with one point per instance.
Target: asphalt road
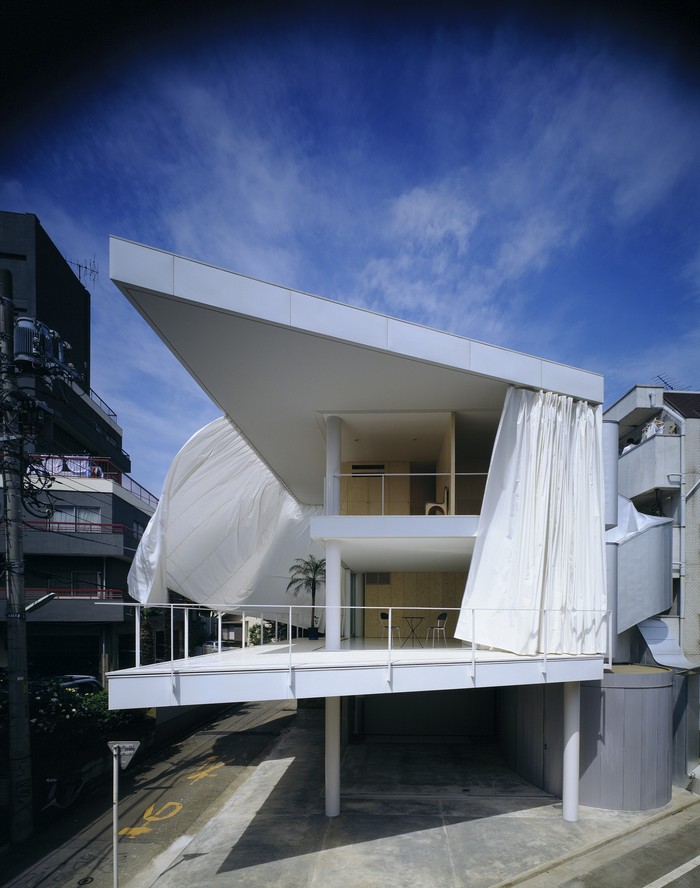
(160, 800)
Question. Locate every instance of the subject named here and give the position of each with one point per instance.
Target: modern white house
(456, 491)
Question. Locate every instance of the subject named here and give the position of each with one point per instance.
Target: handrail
(102, 404)
(34, 592)
(384, 475)
(82, 527)
(294, 615)
(95, 467)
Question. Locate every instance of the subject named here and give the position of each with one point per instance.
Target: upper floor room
(417, 409)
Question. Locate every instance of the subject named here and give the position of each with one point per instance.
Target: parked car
(86, 684)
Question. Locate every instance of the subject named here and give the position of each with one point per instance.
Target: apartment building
(79, 544)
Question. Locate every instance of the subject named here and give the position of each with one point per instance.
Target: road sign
(125, 749)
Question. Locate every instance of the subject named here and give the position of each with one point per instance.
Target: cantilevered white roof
(277, 361)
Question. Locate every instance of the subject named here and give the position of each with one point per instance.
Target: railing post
(474, 644)
(244, 640)
(172, 632)
(220, 632)
(186, 620)
(289, 645)
(262, 629)
(137, 630)
(546, 640)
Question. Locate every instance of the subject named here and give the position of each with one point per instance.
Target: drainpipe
(610, 445)
(680, 421)
(611, 435)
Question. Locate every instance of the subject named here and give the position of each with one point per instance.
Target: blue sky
(527, 181)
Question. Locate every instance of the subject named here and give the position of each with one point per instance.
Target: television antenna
(87, 269)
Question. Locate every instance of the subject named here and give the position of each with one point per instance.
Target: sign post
(122, 754)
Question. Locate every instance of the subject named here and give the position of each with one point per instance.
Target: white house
(455, 490)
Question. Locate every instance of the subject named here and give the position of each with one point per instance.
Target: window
(76, 519)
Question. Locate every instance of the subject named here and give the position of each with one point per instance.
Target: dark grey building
(83, 550)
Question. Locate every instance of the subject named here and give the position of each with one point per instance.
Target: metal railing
(385, 479)
(96, 467)
(32, 593)
(103, 405)
(50, 524)
(543, 623)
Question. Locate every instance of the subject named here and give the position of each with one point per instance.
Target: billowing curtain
(226, 530)
(537, 578)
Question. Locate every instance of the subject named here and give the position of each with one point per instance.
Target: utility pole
(11, 446)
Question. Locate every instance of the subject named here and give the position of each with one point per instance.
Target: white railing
(285, 630)
(384, 477)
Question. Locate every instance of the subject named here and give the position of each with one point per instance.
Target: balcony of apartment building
(94, 474)
(650, 460)
(81, 530)
(71, 601)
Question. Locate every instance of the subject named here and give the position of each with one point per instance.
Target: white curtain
(537, 578)
(225, 531)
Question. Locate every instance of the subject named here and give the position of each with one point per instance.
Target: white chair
(437, 508)
(384, 620)
(438, 628)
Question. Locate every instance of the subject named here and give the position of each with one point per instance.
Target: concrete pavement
(442, 815)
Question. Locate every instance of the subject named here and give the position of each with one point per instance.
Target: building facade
(456, 492)
(80, 541)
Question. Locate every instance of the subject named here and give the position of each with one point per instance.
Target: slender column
(332, 756)
(333, 595)
(572, 735)
(333, 428)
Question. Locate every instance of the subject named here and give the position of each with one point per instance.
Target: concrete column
(333, 594)
(572, 736)
(332, 756)
(334, 426)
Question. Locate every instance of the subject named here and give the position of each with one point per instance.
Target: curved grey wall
(626, 732)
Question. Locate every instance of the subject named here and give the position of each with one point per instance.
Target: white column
(333, 595)
(572, 735)
(332, 756)
(333, 429)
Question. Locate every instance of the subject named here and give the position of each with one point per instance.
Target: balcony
(368, 492)
(50, 537)
(299, 667)
(653, 464)
(98, 469)
(72, 605)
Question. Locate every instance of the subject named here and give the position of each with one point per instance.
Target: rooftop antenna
(670, 383)
(85, 270)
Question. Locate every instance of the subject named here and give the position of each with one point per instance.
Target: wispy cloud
(535, 195)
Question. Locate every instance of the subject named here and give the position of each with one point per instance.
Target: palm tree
(308, 575)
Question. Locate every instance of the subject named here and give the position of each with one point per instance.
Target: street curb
(549, 865)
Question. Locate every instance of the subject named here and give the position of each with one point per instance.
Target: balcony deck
(304, 669)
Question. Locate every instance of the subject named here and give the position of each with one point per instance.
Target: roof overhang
(278, 361)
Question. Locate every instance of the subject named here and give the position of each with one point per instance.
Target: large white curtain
(226, 530)
(537, 578)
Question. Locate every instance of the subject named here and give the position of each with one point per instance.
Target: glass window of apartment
(76, 519)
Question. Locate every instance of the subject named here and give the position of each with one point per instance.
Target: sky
(509, 172)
